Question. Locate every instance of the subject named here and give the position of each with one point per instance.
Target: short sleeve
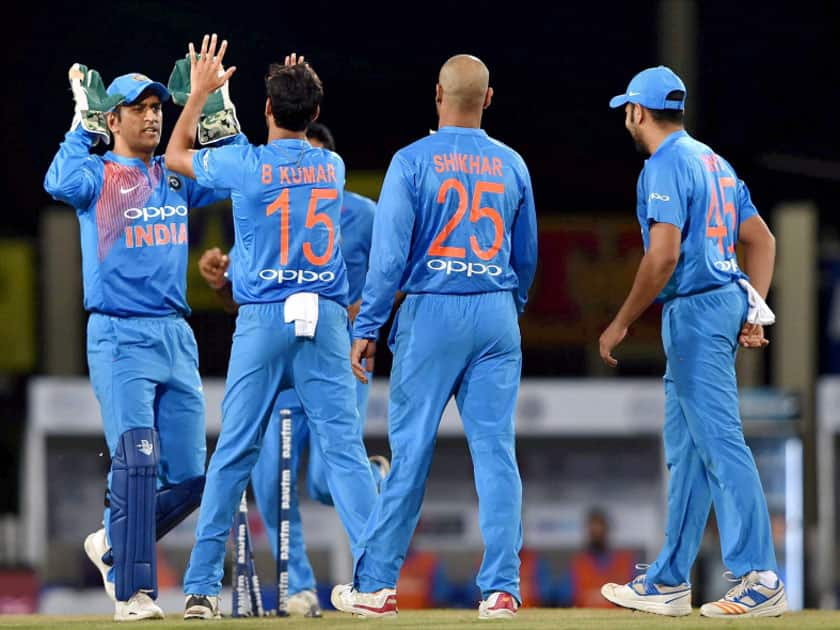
(665, 191)
(220, 167)
(746, 207)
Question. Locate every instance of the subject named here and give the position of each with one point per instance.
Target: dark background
(766, 84)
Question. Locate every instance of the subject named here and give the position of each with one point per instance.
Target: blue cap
(650, 88)
(133, 84)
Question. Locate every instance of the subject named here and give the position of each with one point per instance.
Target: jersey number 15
(313, 218)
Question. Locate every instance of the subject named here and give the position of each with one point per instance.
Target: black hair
(672, 116)
(295, 93)
(149, 91)
(321, 133)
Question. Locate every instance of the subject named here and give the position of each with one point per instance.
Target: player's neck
(470, 120)
(658, 136)
(123, 151)
(279, 133)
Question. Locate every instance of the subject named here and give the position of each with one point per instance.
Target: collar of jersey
(671, 139)
(472, 131)
(292, 142)
(113, 157)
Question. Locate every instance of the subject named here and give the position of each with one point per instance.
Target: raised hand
(206, 71)
(293, 60)
(92, 101)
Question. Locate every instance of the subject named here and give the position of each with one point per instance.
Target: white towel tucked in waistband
(759, 312)
(302, 309)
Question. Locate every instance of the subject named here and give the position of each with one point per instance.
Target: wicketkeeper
(141, 352)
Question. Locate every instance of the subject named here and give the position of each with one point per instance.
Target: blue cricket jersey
(686, 184)
(455, 216)
(133, 222)
(356, 231)
(287, 200)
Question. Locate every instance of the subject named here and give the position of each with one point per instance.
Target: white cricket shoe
(202, 607)
(672, 601)
(751, 597)
(139, 606)
(382, 603)
(96, 545)
(498, 605)
(304, 603)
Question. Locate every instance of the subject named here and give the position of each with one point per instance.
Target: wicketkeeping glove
(218, 117)
(92, 101)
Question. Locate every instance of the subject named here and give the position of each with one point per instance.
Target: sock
(768, 578)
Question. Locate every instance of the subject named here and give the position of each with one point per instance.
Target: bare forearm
(225, 293)
(179, 150)
(652, 276)
(759, 259)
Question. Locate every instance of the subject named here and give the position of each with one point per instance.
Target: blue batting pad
(175, 503)
(133, 505)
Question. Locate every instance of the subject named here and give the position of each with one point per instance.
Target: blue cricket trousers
(144, 372)
(266, 473)
(467, 346)
(708, 460)
(266, 357)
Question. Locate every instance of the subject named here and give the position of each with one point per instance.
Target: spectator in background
(593, 566)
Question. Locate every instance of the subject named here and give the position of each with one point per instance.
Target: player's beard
(642, 149)
(637, 142)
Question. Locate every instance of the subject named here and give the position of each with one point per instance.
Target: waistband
(272, 308)
(462, 295)
(731, 287)
(137, 318)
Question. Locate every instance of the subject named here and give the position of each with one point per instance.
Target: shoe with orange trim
(751, 597)
(498, 605)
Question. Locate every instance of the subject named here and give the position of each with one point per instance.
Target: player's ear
(488, 96)
(268, 113)
(317, 113)
(113, 119)
(438, 93)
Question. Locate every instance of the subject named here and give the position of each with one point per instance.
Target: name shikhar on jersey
(455, 216)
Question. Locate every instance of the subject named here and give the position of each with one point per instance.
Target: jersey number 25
(437, 248)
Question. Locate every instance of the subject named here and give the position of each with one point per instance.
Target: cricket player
(141, 353)
(356, 228)
(290, 281)
(455, 229)
(693, 211)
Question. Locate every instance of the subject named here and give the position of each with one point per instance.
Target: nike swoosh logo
(125, 191)
(633, 93)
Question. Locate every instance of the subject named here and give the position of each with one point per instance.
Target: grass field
(529, 618)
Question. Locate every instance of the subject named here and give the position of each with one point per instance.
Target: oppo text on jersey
(298, 276)
(459, 266)
(152, 212)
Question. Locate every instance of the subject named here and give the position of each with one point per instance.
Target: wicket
(247, 597)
